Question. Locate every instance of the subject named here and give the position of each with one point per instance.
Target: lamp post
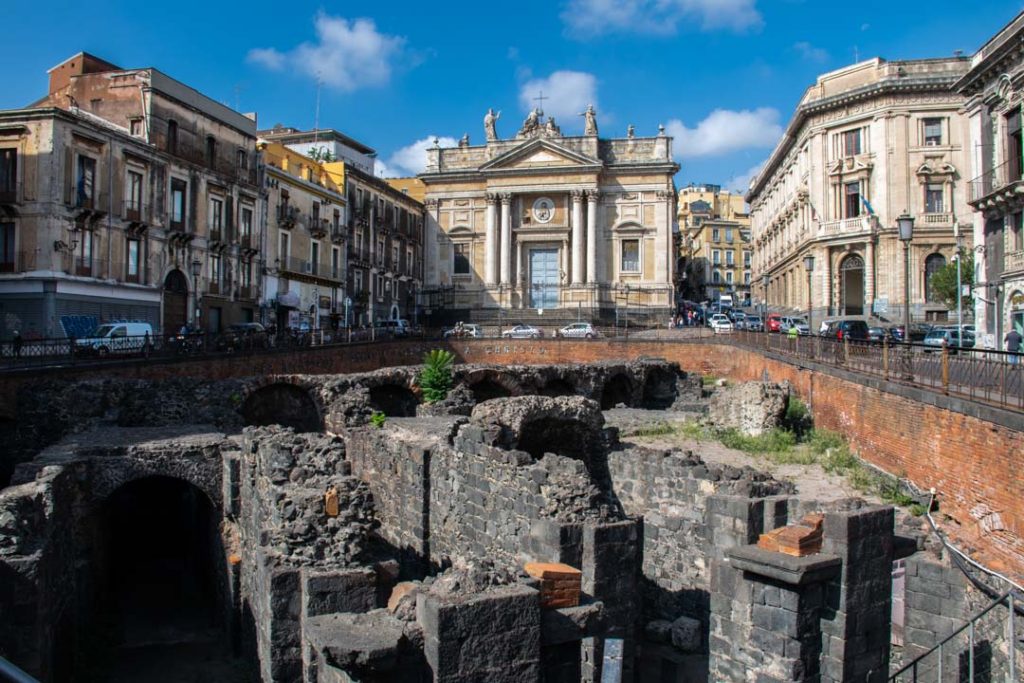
(905, 223)
(809, 265)
(764, 318)
(197, 269)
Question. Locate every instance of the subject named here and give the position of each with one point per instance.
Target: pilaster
(577, 237)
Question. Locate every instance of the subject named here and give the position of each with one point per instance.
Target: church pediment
(540, 154)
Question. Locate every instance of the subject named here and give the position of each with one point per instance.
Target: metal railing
(983, 649)
(995, 377)
(995, 179)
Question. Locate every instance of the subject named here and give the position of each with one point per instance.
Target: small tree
(943, 281)
(436, 377)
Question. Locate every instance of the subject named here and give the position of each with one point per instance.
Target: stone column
(593, 198)
(826, 285)
(491, 242)
(577, 237)
(506, 238)
(869, 275)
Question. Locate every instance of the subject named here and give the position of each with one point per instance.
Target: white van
(117, 338)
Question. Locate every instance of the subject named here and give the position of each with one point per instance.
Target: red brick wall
(972, 462)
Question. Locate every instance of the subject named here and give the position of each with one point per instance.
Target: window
(245, 222)
(715, 235)
(211, 150)
(178, 188)
(8, 172)
(462, 258)
(932, 132)
(716, 257)
(7, 260)
(716, 277)
(282, 251)
(851, 143)
(337, 220)
(85, 182)
(215, 273)
(335, 263)
(357, 281)
(745, 235)
(316, 212)
(630, 256)
(380, 288)
(728, 235)
(314, 257)
(730, 258)
(394, 257)
(746, 259)
(84, 265)
(852, 204)
(247, 274)
(216, 217)
(933, 195)
(133, 192)
(728, 276)
(746, 277)
(132, 253)
(172, 136)
(1016, 230)
(243, 160)
(135, 128)
(932, 265)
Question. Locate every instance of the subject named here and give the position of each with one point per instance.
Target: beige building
(125, 194)
(544, 221)
(714, 246)
(867, 143)
(306, 240)
(993, 90)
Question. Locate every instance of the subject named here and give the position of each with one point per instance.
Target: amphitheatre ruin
(565, 513)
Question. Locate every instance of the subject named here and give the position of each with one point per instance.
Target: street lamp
(905, 222)
(764, 282)
(197, 269)
(809, 265)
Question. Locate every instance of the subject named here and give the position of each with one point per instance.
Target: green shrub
(773, 441)
(694, 431)
(436, 377)
(377, 419)
(656, 429)
(838, 460)
(822, 440)
(917, 509)
(798, 418)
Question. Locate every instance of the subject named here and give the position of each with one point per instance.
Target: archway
(283, 404)
(617, 390)
(175, 302)
(851, 273)
(558, 387)
(659, 389)
(933, 264)
(486, 389)
(394, 400)
(560, 435)
(158, 565)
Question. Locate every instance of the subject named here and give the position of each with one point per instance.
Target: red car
(774, 323)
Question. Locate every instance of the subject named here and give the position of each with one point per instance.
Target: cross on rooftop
(540, 98)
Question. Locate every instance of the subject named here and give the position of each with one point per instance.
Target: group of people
(688, 318)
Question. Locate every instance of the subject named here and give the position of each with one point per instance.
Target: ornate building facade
(866, 144)
(546, 221)
(126, 194)
(993, 89)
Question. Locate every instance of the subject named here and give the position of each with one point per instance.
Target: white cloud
(411, 159)
(726, 131)
(347, 55)
(569, 91)
(590, 18)
(810, 53)
(741, 182)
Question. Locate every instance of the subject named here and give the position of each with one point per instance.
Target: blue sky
(722, 75)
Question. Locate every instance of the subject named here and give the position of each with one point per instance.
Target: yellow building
(306, 257)
(412, 187)
(714, 246)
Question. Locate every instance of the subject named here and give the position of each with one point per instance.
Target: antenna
(316, 116)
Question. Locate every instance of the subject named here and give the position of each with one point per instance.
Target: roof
(285, 135)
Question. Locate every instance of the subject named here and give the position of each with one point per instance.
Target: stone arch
(932, 264)
(283, 403)
(175, 302)
(558, 386)
(659, 388)
(487, 384)
(394, 399)
(617, 389)
(556, 434)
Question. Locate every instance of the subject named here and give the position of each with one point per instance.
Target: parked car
(117, 338)
(918, 331)
(754, 324)
(243, 336)
(774, 322)
(720, 323)
(463, 330)
(578, 331)
(523, 332)
(739, 320)
(936, 339)
(854, 330)
(878, 334)
(799, 323)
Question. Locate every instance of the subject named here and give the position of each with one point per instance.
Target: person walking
(1013, 341)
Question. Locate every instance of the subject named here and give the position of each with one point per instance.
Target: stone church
(548, 222)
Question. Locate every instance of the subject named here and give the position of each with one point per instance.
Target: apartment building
(126, 194)
(867, 144)
(713, 246)
(306, 240)
(993, 89)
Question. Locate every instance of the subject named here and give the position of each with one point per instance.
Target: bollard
(945, 369)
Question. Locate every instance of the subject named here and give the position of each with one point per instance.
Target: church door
(544, 278)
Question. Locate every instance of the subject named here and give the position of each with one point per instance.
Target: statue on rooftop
(490, 127)
(589, 121)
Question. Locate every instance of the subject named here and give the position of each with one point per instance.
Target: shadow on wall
(283, 404)
(394, 400)
(558, 387)
(617, 390)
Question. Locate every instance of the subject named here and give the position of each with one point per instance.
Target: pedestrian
(17, 344)
(1013, 341)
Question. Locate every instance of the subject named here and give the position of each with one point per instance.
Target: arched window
(932, 265)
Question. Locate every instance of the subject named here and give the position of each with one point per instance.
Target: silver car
(579, 331)
(523, 332)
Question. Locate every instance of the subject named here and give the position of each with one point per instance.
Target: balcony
(134, 211)
(20, 262)
(248, 292)
(938, 219)
(358, 254)
(287, 216)
(1013, 262)
(10, 192)
(338, 235)
(318, 227)
(845, 226)
(86, 268)
(988, 189)
(214, 288)
(246, 241)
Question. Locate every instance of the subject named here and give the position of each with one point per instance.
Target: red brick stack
(559, 583)
(799, 540)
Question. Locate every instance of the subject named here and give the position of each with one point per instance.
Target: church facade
(543, 221)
